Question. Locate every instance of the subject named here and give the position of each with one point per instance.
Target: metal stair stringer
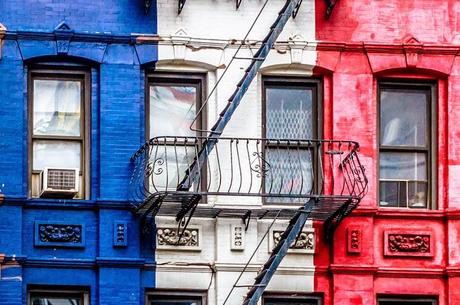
(288, 237)
(288, 10)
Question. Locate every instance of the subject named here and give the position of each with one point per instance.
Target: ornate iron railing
(281, 171)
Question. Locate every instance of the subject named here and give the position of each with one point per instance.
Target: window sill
(66, 203)
(409, 213)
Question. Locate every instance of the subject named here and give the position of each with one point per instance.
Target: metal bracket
(330, 6)
(296, 10)
(331, 223)
(238, 3)
(181, 217)
(246, 219)
(180, 6)
(147, 5)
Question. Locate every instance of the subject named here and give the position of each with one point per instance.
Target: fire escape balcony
(282, 172)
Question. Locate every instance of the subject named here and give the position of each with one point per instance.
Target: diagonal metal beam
(288, 237)
(286, 12)
(180, 6)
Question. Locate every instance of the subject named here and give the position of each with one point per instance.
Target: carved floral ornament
(167, 238)
(59, 234)
(305, 243)
(408, 243)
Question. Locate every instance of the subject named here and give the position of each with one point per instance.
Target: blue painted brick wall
(116, 16)
(117, 131)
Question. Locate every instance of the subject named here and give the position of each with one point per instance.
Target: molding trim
(305, 244)
(59, 234)
(405, 242)
(354, 240)
(166, 238)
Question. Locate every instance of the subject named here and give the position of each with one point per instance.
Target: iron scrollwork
(259, 165)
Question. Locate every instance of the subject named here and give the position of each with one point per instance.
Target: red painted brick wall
(362, 43)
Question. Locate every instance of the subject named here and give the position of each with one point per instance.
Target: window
(291, 111)
(176, 298)
(406, 144)
(406, 301)
(173, 103)
(294, 299)
(53, 297)
(59, 132)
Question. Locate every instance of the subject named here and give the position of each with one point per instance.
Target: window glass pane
(404, 302)
(289, 113)
(288, 172)
(169, 164)
(57, 107)
(175, 302)
(172, 110)
(403, 117)
(60, 154)
(291, 302)
(403, 179)
(55, 301)
(417, 191)
(403, 166)
(390, 194)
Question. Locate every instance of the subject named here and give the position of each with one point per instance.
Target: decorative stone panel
(408, 243)
(305, 242)
(167, 239)
(58, 234)
(120, 234)
(238, 236)
(354, 236)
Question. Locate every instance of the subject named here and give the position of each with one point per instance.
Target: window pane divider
(56, 138)
(404, 148)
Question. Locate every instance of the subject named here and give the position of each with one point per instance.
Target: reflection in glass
(403, 166)
(60, 154)
(172, 110)
(403, 179)
(403, 117)
(169, 165)
(55, 301)
(288, 172)
(289, 113)
(56, 107)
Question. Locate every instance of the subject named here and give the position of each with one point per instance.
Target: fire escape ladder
(288, 10)
(288, 237)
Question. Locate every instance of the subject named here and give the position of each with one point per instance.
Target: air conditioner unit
(59, 182)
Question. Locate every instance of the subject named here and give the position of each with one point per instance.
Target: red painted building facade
(400, 246)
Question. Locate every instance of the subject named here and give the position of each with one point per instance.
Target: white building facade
(200, 43)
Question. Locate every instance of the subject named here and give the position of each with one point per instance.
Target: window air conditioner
(59, 182)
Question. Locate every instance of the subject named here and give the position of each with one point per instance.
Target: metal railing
(280, 170)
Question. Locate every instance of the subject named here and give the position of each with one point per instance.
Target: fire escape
(173, 176)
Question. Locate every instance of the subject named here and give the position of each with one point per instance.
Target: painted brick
(116, 132)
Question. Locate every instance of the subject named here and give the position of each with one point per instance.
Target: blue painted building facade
(90, 245)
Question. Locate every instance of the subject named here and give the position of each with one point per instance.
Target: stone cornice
(398, 48)
(392, 272)
(198, 43)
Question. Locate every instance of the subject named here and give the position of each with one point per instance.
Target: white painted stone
(204, 38)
